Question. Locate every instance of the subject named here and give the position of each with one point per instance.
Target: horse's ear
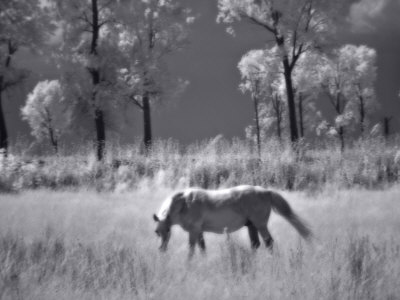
(155, 218)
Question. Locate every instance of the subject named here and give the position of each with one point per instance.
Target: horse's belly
(219, 221)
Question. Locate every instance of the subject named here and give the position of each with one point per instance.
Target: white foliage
(305, 21)
(46, 110)
(150, 31)
(22, 24)
(77, 60)
(348, 77)
(376, 130)
(344, 119)
(259, 67)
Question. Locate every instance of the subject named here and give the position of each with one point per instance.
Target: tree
(258, 69)
(296, 26)
(271, 117)
(347, 77)
(278, 108)
(90, 57)
(22, 24)
(334, 79)
(307, 88)
(46, 112)
(361, 65)
(152, 30)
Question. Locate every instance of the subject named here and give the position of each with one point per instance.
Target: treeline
(301, 68)
(111, 54)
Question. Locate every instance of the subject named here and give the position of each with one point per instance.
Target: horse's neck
(174, 218)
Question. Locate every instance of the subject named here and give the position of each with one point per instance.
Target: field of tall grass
(71, 227)
(90, 245)
(372, 164)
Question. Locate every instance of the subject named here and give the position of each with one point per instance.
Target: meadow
(73, 228)
(86, 245)
(371, 163)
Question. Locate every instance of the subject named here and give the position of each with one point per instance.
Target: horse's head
(170, 209)
(163, 230)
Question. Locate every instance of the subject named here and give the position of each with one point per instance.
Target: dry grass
(215, 163)
(87, 245)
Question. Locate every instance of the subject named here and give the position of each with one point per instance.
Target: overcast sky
(212, 104)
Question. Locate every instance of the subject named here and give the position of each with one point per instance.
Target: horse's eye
(157, 232)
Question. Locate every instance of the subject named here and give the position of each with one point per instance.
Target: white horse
(197, 210)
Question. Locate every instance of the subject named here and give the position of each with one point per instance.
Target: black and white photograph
(199, 149)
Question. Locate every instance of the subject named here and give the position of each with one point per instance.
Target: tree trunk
(301, 117)
(278, 127)
(386, 127)
(257, 119)
(341, 136)
(53, 140)
(95, 73)
(98, 119)
(294, 136)
(339, 108)
(278, 114)
(147, 138)
(100, 133)
(362, 115)
(3, 127)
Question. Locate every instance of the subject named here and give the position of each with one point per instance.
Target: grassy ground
(87, 245)
(371, 164)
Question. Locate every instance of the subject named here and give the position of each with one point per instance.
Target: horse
(227, 210)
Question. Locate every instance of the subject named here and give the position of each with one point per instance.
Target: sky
(212, 104)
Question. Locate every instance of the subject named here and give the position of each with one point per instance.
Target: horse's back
(227, 209)
(226, 197)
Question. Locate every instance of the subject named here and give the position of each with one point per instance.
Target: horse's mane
(171, 205)
(165, 208)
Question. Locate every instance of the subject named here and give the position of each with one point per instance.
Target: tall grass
(215, 163)
(66, 245)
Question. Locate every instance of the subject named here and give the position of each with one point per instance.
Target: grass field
(88, 245)
(370, 163)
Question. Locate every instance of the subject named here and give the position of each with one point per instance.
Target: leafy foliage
(348, 77)
(151, 30)
(46, 111)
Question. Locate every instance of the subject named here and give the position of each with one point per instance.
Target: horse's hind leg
(192, 243)
(253, 234)
(196, 237)
(201, 242)
(268, 240)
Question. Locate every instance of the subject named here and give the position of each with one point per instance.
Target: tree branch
(259, 23)
(106, 5)
(330, 97)
(297, 55)
(84, 17)
(136, 102)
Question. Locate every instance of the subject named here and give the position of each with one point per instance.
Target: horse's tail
(281, 206)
